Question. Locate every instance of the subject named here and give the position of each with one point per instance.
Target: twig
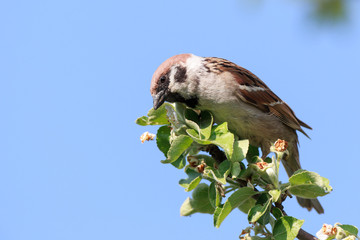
(218, 155)
(303, 235)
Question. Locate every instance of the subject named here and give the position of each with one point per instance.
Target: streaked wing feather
(257, 93)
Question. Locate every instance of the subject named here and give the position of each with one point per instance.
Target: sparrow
(236, 96)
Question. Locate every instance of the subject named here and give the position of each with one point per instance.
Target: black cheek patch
(192, 102)
(180, 74)
(175, 97)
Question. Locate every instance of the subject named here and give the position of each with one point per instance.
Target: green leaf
(163, 139)
(180, 162)
(192, 119)
(178, 146)
(217, 212)
(142, 121)
(200, 199)
(219, 174)
(235, 169)
(307, 184)
(255, 213)
(352, 230)
(155, 117)
(307, 191)
(265, 218)
(287, 228)
(263, 200)
(158, 116)
(222, 137)
(247, 205)
(179, 109)
(186, 209)
(205, 122)
(202, 123)
(277, 213)
(252, 154)
(275, 193)
(195, 136)
(214, 195)
(240, 150)
(237, 199)
(198, 203)
(258, 211)
(192, 181)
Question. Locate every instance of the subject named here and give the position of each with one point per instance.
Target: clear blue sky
(74, 76)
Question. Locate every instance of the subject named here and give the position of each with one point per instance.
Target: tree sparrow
(235, 95)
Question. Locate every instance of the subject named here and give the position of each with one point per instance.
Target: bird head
(171, 82)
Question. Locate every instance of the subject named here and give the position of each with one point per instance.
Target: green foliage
(178, 146)
(349, 229)
(275, 194)
(258, 211)
(192, 181)
(236, 199)
(154, 117)
(233, 183)
(287, 228)
(240, 150)
(214, 195)
(163, 139)
(219, 173)
(307, 184)
(198, 203)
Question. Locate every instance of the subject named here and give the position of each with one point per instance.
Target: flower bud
(200, 168)
(267, 171)
(193, 161)
(280, 145)
(280, 149)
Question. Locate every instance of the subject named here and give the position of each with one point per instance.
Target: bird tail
(292, 164)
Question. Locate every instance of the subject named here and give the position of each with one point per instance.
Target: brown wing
(255, 92)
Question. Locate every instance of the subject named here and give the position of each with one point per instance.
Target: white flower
(325, 232)
(146, 136)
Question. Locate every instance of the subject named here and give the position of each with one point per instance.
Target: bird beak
(158, 99)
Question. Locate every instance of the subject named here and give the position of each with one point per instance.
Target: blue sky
(76, 74)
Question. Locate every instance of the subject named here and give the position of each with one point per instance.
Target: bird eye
(162, 79)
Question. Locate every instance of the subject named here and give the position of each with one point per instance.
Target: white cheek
(176, 87)
(186, 88)
(172, 84)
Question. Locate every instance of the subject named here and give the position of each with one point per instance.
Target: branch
(218, 155)
(303, 235)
